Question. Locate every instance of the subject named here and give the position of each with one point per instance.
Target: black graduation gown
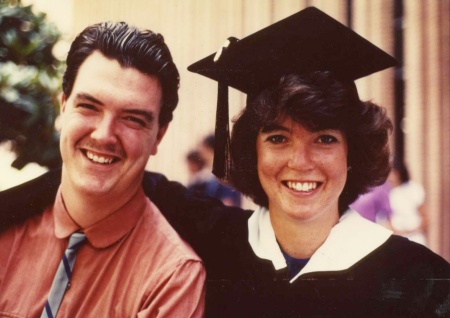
(398, 279)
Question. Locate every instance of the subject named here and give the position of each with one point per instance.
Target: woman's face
(303, 173)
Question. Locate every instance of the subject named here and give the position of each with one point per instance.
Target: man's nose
(105, 130)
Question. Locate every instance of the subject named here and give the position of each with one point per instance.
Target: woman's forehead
(287, 123)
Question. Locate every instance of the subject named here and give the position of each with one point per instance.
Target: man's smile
(97, 158)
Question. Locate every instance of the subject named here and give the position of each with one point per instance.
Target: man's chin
(92, 186)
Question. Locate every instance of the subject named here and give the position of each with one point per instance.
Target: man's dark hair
(317, 101)
(141, 49)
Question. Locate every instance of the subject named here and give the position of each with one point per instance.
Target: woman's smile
(304, 187)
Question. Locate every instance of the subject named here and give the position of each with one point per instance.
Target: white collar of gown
(350, 240)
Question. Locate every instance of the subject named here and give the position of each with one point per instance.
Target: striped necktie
(62, 277)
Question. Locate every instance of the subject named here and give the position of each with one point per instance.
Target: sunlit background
(416, 93)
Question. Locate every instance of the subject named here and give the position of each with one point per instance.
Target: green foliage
(30, 80)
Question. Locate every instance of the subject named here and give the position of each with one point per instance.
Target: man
(119, 92)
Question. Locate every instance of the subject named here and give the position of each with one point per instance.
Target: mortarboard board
(302, 43)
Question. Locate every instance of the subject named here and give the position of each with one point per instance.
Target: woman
(303, 149)
(300, 150)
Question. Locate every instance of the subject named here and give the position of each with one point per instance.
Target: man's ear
(63, 102)
(161, 132)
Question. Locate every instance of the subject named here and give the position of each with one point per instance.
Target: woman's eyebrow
(274, 127)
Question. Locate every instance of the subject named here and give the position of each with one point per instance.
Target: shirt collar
(350, 240)
(262, 238)
(103, 233)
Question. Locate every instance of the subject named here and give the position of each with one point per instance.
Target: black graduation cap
(305, 42)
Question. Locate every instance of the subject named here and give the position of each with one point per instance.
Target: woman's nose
(300, 158)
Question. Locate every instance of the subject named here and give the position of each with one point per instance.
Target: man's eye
(276, 139)
(135, 121)
(87, 106)
(327, 139)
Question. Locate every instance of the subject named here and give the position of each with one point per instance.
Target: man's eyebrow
(149, 116)
(273, 127)
(86, 96)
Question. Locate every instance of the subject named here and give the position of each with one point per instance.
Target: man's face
(109, 128)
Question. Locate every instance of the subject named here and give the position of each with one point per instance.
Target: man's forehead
(104, 78)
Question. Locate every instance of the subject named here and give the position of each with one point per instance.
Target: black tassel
(222, 160)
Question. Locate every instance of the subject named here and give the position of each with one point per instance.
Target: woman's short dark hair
(141, 49)
(317, 101)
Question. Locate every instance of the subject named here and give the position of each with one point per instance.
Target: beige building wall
(196, 28)
(427, 111)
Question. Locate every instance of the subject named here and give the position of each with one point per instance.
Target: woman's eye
(276, 139)
(326, 139)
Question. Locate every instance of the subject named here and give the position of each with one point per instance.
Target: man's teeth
(98, 159)
(302, 186)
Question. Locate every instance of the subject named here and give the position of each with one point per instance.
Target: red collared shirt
(133, 265)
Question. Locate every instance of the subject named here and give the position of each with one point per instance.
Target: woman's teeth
(302, 186)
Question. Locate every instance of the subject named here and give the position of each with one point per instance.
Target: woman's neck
(301, 239)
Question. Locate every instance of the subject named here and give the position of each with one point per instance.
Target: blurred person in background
(195, 164)
(374, 205)
(407, 199)
(120, 89)
(205, 182)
